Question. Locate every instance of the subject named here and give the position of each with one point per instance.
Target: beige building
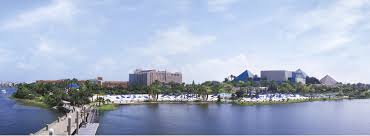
(276, 75)
(147, 77)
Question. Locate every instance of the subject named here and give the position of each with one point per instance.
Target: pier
(79, 120)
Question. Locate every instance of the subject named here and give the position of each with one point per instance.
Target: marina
(224, 97)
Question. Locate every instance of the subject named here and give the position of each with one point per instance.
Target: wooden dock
(89, 129)
(70, 123)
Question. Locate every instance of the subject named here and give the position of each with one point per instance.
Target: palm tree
(204, 90)
(154, 90)
(232, 77)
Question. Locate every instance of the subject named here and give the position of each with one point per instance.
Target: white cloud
(217, 68)
(105, 65)
(25, 66)
(5, 55)
(59, 11)
(48, 56)
(177, 40)
(328, 28)
(219, 5)
(48, 48)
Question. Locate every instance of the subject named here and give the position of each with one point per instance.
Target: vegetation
(52, 94)
(107, 107)
(33, 102)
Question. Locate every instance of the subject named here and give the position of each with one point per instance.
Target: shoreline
(240, 103)
(288, 102)
(113, 105)
(107, 107)
(28, 102)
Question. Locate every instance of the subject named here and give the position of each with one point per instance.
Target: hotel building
(147, 77)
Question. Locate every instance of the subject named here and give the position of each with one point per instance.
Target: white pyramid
(327, 80)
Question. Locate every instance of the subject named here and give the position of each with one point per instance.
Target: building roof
(66, 102)
(140, 71)
(299, 71)
(244, 76)
(73, 86)
(328, 80)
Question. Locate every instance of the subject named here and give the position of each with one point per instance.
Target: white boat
(3, 91)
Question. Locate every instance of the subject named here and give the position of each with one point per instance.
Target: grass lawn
(34, 102)
(108, 107)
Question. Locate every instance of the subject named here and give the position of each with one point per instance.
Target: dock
(89, 129)
(79, 120)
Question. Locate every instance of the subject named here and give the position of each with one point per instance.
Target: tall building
(147, 77)
(276, 75)
(244, 76)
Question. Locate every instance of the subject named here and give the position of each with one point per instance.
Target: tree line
(53, 93)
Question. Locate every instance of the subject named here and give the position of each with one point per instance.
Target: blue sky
(203, 39)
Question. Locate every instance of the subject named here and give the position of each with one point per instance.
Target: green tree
(154, 90)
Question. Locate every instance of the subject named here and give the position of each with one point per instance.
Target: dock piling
(77, 124)
(69, 125)
(51, 132)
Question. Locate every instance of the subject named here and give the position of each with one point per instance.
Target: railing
(60, 120)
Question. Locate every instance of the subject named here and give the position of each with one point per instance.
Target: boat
(3, 91)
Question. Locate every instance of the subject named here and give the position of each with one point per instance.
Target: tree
(204, 90)
(55, 98)
(285, 88)
(154, 90)
(272, 86)
(228, 88)
(100, 100)
(24, 93)
(240, 93)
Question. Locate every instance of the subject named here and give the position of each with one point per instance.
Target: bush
(24, 93)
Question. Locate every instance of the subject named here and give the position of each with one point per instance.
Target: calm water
(19, 119)
(335, 117)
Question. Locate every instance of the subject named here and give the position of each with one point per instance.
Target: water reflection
(334, 117)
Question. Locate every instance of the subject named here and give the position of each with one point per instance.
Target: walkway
(89, 129)
(60, 126)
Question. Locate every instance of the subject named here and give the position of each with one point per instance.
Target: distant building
(115, 84)
(276, 75)
(50, 81)
(328, 80)
(299, 76)
(7, 84)
(147, 77)
(98, 81)
(246, 75)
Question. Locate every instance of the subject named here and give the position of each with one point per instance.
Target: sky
(203, 39)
